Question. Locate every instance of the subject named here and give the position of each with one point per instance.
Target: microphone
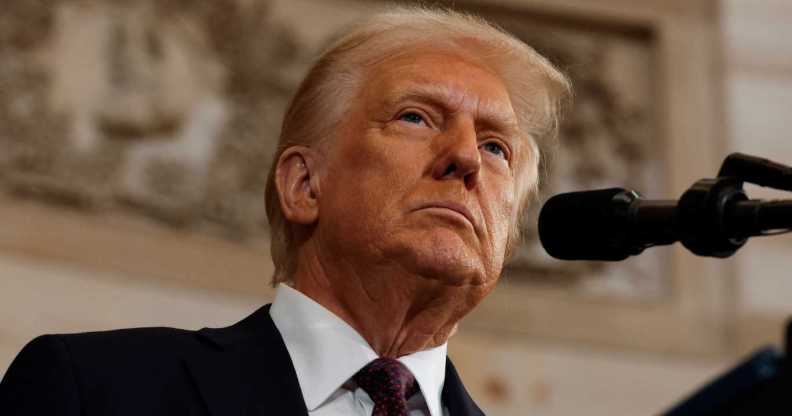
(613, 224)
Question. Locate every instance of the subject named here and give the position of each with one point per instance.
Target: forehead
(450, 78)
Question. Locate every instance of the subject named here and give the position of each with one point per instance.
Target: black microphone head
(587, 225)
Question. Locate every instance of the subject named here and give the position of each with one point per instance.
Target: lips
(456, 207)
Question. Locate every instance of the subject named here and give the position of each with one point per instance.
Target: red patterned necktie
(389, 384)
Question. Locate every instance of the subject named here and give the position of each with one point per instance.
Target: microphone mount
(713, 218)
(704, 209)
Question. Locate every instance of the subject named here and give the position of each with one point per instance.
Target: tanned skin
(403, 219)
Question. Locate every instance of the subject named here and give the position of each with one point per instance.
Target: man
(405, 162)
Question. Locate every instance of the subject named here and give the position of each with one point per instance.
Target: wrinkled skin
(407, 210)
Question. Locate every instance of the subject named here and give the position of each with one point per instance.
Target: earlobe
(297, 182)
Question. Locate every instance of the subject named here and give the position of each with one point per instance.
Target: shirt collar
(326, 351)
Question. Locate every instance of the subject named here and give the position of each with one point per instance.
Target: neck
(395, 311)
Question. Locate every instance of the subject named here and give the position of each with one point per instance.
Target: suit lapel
(245, 369)
(455, 397)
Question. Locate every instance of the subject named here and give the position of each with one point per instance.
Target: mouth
(453, 207)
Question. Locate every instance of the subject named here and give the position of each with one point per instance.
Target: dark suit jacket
(241, 370)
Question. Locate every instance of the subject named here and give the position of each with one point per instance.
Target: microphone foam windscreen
(582, 226)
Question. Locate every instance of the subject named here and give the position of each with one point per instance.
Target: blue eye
(411, 118)
(495, 148)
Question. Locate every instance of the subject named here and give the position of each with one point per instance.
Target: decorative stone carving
(169, 110)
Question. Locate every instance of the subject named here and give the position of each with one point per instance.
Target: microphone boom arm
(713, 218)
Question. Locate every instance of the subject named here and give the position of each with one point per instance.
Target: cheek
(503, 215)
(367, 181)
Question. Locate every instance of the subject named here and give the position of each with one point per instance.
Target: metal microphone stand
(762, 383)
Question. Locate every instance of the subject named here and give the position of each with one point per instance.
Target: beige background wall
(759, 93)
(509, 374)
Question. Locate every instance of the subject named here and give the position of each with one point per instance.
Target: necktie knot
(389, 384)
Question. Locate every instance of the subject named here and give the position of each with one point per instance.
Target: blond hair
(536, 89)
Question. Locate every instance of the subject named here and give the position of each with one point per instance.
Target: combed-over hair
(537, 91)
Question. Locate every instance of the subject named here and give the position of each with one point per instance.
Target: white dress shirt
(327, 352)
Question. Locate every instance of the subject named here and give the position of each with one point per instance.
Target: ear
(297, 181)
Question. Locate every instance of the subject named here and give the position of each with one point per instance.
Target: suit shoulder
(132, 344)
(148, 342)
(129, 337)
(43, 354)
(106, 364)
(94, 370)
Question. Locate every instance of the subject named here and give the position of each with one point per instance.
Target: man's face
(422, 171)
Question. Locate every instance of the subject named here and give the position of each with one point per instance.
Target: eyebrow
(441, 96)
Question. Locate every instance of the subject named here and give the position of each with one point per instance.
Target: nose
(458, 154)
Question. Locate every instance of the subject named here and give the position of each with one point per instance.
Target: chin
(443, 256)
(449, 272)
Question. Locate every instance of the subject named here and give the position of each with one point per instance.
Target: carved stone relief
(169, 110)
(166, 110)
